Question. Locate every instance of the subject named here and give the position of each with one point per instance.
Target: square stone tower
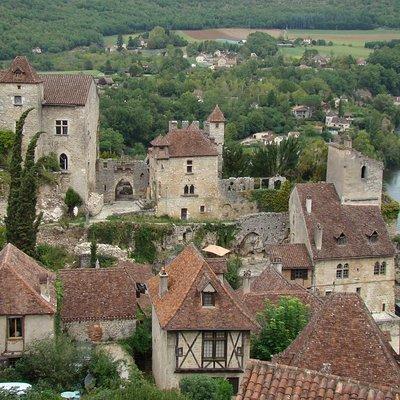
(215, 128)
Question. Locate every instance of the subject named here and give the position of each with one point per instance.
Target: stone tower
(357, 178)
(21, 88)
(215, 127)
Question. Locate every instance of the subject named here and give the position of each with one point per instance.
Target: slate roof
(180, 307)
(356, 222)
(20, 277)
(343, 334)
(293, 256)
(265, 380)
(66, 90)
(20, 71)
(216, 115)
(189, 142)
(97, 294)
(272, 286)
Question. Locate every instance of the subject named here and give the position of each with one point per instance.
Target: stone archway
(124, 190)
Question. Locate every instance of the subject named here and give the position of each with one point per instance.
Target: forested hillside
(59, 24)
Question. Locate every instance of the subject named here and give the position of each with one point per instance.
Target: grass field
(110, 40)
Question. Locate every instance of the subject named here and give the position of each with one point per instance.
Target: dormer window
(373, 238)
(341, 239)
(208, 299)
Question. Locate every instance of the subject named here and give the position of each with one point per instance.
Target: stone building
(198, 324)
(27, 302)
(65, 109)
(184, 169)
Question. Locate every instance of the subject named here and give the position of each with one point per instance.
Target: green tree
(120, 42)
(111, 142)
(235, 160)
(6, 144)
(133, 43)
(362, 143)
(201, 387)
(232, 275)
(93, 253)
(261, 44)
(280, 324)
(72, 200)
(312, 161)
(140, 342)
(341, 108)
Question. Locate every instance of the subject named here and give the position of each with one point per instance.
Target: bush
(200, 387)
(232, 275)
(3, 239)
(53, 257)
(272, 200)
(72, 200)
(390, 208)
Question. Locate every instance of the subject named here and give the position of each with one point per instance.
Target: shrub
(53, 257)
(3, 239)
(232, 276)
(72, 200)
(390, 208)
(201, 387)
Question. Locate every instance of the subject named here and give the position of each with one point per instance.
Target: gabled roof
(98, 294)
(66, 90)
(180, 307)
(216, 115)
(189, 142)
(356, 222)
(272, 286)
(20, 278)
(265, 380)
(293, 256)
(20, 71)
(343, 335)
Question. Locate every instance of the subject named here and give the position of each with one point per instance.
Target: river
(392, 185)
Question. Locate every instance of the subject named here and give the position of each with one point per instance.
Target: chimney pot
(318, 236)
(44, 283)
(308, 204)
(185, 124)
(246, 281)
(277, 264)
(163, 282)
(172, 126)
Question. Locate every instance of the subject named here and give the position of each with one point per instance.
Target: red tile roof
(293, 256)
(189, 142)
(268, 381)
(97, 294)
(66, 90)
(20, 277)
(272, 286)
(356, 222)
(343, 335)
(216, 115)
(218, 264)
(20, 71)
(180, 307)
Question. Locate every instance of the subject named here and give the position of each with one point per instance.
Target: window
(202, 209)
(63, 162)
(14, 329)
(61, 127)
(105, 165)
(105, 188)
(380, 269)
(363, 172)
(358, 290)
(299, 274)
(373, 238)
(208, 299)
(342, 271)
(186, 189)
(191, 189)
(214, 346)
(17, 100)
(328, 292)
(217, 125)
(189, 166)
(383, 307)
(342, 239)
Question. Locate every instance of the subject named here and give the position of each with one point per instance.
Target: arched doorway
(123, 190)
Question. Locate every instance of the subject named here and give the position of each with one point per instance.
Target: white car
(18, 388)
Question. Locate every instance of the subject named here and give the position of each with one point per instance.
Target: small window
(363, 172)
(14, 330)
(17, 100)
(208, 299)
(342, 271)
(358, 290)
(380, 269)
(299, 274)
(105, 188)
(61, 127)
(63, 162)
(383, 307)
(373, 238)
(342, 239)
(189, 166)
(18, 86)
(179, 351)
(217, 125)
(186, 189)
(328, 292)
(191, 189)
(105, 165)
(202, 209)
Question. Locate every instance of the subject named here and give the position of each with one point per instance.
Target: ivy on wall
(225, 233)
(59, 300)
(272, 200)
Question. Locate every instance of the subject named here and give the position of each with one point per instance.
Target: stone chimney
(308, 204)
(185, 124)
(44, 284)
(172, 126)
(163, 282)
(246, 281)
(277, 264)
(207, 127)
(318, 236)
(347, 142)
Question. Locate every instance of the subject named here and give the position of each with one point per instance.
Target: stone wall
(102, 331)
(109, 172)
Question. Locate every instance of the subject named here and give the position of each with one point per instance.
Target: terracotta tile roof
(343, 335)
(216, 115)
(20, 277)
(293, 256)
(272, 286)
(20, 71)
(268, 381)
(180, 307)
(189, 142)
(66, 90)
(97, 294)
(356, 222)
(218, 264)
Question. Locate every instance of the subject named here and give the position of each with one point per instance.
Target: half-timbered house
(199, 325)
